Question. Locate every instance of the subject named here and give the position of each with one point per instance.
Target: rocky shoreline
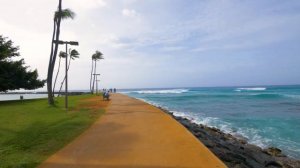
(235, 152)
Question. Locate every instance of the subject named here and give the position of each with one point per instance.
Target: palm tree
(58, 16)
(61, 55)
(95, 57)
(73, 55)
(92, 74)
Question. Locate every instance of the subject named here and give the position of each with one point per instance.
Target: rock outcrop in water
(235, 152)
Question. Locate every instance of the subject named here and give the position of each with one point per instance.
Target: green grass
(30, 131)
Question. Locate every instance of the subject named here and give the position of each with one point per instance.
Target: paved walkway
(133, 134)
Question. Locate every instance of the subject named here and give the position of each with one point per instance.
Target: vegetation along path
(31, 131)
(133, 134)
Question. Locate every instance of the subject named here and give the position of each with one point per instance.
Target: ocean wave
(180, 114)
(251, 89)
(268, 95)
(251, 134)
(152, 103)
(292, 96)
(274, 95)
(253, 137)
(207, 121)
(167, 91)
(193, 106)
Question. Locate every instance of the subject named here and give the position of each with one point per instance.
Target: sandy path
(133, 134)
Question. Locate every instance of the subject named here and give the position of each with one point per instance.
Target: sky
(164, 43)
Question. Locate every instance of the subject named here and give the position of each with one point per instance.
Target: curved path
(134, 134)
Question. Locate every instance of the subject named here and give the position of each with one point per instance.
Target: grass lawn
(30, 130)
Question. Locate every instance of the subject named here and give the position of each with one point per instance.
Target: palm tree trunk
(61, 85)
(49, 82)
(56, 77)
(53, 56)
(91, 76)
(94, 77)
(64, 78)
(57, 39)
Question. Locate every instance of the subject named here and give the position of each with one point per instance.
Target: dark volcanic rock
(274, 152)
(235, 152)
(273, 164)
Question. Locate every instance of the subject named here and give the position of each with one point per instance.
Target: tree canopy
(13, 73)
(97, 56)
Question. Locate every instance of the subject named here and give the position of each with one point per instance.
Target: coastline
(135, 134)
(16, 96)
(234, 151)
(265, 116)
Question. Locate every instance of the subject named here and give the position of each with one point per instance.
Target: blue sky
(166, 43)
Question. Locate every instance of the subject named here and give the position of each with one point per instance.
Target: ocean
(16, 96)
(265, 115)
(30, 94)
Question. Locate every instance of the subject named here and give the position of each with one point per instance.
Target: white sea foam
(150, 102)
(251, 134)
(209, 121)
(180, 114)
(292, 96)
(251, 89)
(253, 137)
(166, 91)
(125, 92)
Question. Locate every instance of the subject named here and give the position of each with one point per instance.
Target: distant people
(115, 90)
(105, 95)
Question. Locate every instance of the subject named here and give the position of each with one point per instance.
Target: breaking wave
(167, 91)
(251, 134)
(251, 89)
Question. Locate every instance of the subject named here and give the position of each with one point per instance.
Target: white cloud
(131, 33)
(79, 5)
(175, 48)
(101, 3)
(129, 13)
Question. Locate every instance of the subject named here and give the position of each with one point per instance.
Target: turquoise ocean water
(265, 115)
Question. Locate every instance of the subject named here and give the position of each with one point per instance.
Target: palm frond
(97, 56)
(62, 54)
(74, 54)
(65, 14)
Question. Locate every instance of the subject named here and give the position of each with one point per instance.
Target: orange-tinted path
(133, 134)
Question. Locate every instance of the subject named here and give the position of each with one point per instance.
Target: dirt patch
(93, 104)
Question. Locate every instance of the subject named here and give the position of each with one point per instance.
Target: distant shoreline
(44, 92)
(15, 96)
